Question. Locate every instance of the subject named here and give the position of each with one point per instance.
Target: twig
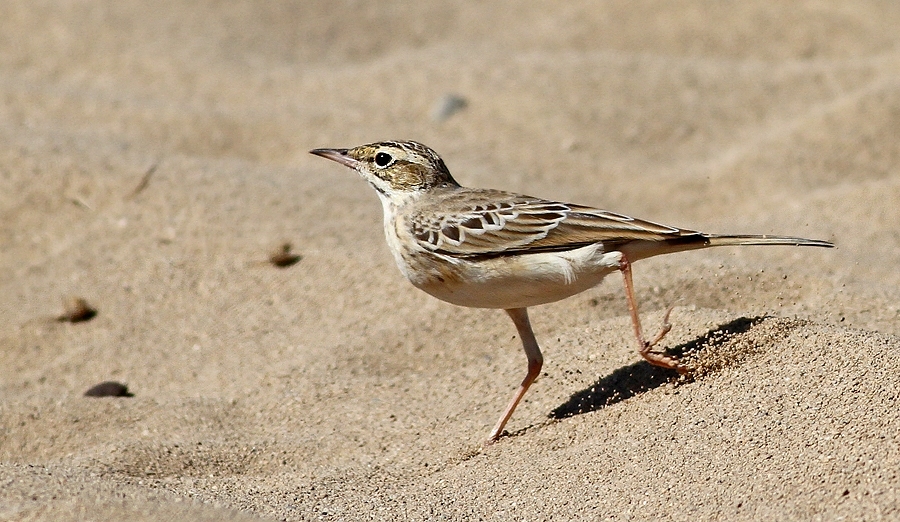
(145, 180)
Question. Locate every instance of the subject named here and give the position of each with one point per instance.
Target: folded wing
(492, 223)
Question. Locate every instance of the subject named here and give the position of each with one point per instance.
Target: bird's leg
(535, 361)
(644, 346)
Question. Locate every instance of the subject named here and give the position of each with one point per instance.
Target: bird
(486, 248)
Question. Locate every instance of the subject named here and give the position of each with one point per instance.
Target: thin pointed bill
(338, 155)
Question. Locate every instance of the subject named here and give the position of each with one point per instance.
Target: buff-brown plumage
(492, 249)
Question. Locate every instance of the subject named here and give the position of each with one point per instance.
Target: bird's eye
(383, 159)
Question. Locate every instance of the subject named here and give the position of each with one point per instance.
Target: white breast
(515, 281)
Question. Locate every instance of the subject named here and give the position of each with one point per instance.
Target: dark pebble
(109, 389)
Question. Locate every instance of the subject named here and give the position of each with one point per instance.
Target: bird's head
(394, 168)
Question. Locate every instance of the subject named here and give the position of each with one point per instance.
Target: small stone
(77, 310)
(109, 389)
(283, 257)
(447, 106)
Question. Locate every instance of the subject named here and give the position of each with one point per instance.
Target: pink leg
(644, 347)
(535, 361)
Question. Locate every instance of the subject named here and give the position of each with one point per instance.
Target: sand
(153, 156)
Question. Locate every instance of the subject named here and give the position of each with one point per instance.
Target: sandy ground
(152, 155)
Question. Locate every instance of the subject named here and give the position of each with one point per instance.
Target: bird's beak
(338, 155)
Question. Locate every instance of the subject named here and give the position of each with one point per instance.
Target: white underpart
(390, 234)
(522, 280)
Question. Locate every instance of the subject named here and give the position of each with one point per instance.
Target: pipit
(485, 248)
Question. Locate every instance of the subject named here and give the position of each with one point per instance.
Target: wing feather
(488, 223)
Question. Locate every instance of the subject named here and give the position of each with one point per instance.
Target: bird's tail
(642, 249)
(732, 240)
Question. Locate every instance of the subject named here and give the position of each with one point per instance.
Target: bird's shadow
(641, 377)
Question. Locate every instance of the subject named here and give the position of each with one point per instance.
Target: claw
(644, 347)
(666, 328)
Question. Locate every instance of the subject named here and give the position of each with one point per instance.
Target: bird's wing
(487, 223)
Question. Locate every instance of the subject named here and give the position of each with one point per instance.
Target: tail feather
(733, 240)
(642, 249)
